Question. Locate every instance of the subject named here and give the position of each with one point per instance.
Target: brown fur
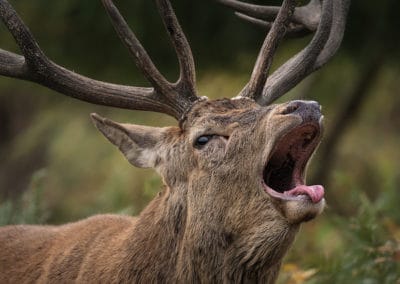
(212, 222)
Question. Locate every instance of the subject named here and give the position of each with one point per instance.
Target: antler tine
(255, 21)
(36, 67)
(142, 59)
(11, 64)
(340, 10)
(186, 82)
(257, 11)
(33, 55)
(293, 30)
(264, 60)
(307, 17)
(322, 47)
(310, 13)
(187, 78)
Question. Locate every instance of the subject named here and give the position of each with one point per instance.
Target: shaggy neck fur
(177, 247)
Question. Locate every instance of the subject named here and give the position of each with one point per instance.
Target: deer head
(234, 169)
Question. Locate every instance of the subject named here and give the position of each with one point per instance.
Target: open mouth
(284, 174)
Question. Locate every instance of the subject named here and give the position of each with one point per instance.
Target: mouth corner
(284, 173)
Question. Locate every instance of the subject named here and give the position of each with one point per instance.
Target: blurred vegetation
(55, 167)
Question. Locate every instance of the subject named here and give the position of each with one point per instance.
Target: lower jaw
(314, 193)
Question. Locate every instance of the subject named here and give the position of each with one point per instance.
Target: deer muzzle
(284, 172)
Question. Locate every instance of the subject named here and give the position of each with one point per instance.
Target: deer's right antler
(328, 20)
(170, 98)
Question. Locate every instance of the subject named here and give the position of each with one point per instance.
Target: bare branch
(264, 60)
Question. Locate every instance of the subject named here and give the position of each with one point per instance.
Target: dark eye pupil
(203, 140)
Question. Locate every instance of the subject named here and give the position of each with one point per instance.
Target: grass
(30, 208)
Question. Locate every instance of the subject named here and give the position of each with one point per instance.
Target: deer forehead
(224, 114)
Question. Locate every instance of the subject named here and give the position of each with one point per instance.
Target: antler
(304, 20)
(327, 20)
(165, 97)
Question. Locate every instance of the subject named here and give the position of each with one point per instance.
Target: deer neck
(178, 245)
(210, 252)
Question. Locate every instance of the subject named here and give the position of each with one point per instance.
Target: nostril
(309, 111)
(292, 107)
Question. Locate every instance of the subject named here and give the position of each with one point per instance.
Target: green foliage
(371, 253)
(368, 251)
(29, 208)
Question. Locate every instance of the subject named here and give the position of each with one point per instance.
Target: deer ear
(138, 143)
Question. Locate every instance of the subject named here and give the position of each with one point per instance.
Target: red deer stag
(233, 171)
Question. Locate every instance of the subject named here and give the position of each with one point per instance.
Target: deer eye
(202, 140)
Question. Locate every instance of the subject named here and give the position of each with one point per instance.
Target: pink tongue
(315, 192)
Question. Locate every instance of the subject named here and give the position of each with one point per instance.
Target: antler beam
(169, 98)
(264, 60)
(322, 47)
(328, 20)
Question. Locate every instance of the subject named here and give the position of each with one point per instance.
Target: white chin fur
(297, 211)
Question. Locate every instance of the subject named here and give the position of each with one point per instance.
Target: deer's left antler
(326, 19)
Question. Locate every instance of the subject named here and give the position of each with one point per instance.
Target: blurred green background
(55, 167)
